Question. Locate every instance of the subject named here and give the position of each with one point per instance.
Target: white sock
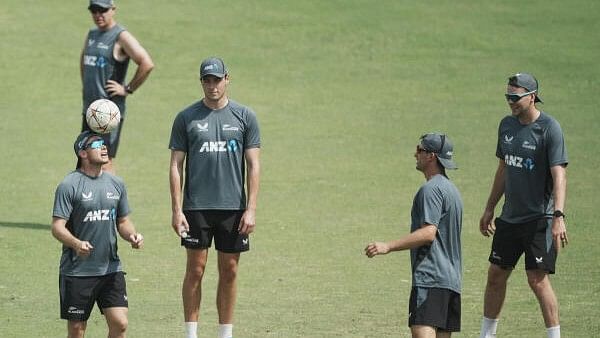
(553, 332)
(225, 330)
(190, 329)
(488, 327)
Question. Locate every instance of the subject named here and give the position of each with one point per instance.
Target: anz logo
(94, 61)
(219, 146)
(519, 162)
(101, 215)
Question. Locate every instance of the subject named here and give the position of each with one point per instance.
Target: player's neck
(91, 170)
(216, 104)
(530, 116)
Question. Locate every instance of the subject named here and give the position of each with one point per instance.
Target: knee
(537, 281)
(227, 273)
(76, 328)
(195, 272)
(118, 326)
(497, 277)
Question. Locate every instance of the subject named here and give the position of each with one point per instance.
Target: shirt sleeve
(556, 149)
(432, 205)
(178, 139)
(123, 206)
(63, 202)
(252, 134)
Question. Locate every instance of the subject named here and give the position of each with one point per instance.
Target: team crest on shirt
(112, 196)
(202, 126)
(227, 127)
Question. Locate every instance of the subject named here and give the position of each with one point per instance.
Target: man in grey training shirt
(103, 65)
(219, 141)
(90, 208)
(434, 243)
(531, 175)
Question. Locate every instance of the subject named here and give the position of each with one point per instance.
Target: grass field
(343, 90)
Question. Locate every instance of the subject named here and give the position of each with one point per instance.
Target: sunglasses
(514, 97)
(97, 144)
(98, 9)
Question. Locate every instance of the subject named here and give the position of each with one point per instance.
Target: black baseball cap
(441, 146)
(527, 81)
(213, 66)
(101, 3)
(82, 140)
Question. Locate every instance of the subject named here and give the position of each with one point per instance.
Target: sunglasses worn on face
(98, 9)
(514, 97)
(97, 144)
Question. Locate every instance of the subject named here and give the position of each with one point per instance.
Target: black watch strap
(558, 213)
(128, 90)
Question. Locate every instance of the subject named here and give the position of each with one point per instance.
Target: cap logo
(210, 67)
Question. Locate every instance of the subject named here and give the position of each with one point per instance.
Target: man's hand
(248, 222)
(376, 248)
(136, 240)
(485, 223)
(84, 249)
(559, 233)
(180, 224)
(115, 89)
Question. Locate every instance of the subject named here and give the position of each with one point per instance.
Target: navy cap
(527, 81)
(441, 146)
(213, 66)
(82, 141)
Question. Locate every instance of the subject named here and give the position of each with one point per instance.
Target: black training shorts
(435, 307)
(533, 238)
(220, 224)
(78, 294)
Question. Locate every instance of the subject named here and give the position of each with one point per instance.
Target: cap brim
(538, 98)
(219, 75)
(446, 163)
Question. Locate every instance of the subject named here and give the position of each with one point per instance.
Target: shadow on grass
(34, 226)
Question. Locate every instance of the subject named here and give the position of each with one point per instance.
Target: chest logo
(202, 127)
(508, 139)
(91, 42)
(112, 196)
(227, 127)
(528, 145)
(87, 197)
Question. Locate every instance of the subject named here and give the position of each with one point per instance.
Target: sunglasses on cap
(514, 97)
(96, 144)
(98, 9)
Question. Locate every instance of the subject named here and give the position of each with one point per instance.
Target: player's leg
(113, 303)
(422, 331)
(227, 288)
(77, 296)
(229, 243)
(76, 328)
(495, 291)
(540, 284)
(540, 261)
(191, 290)
(116, 318)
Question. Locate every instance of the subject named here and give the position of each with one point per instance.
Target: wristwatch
(128, 89)
(558, 213)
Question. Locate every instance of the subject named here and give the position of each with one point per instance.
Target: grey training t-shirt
(99, 66)
(438, 265)
(91, 206)
(529, 151)
(214, 142)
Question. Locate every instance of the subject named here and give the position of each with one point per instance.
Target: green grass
(343, 90)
